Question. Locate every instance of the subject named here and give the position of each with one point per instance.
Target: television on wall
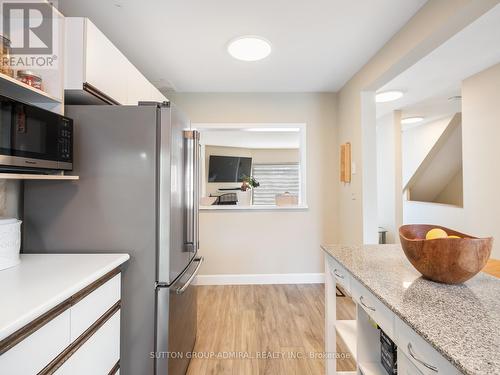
(228, 168)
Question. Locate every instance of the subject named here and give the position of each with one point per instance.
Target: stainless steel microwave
(33, 138)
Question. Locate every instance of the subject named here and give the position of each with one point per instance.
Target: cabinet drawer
(98, 354)
(33, 353)
(93, 306)
(373, 307)
(342, 277)
(405, 367)
(420, 353)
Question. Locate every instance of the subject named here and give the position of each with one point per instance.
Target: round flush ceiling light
(249, 48)
(411, 120)
(388, 96)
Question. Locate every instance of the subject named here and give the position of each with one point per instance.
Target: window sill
(253, 208)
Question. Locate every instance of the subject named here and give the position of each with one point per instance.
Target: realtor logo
(29, 27)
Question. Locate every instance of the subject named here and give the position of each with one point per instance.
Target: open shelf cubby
(16, 88)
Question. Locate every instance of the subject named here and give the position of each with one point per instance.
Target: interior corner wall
(435, 22)
(480, 137)
(417, 142)
(272, 242)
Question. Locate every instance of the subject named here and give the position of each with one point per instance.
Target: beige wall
(481, 134)
(258, 155)
(271, 242)
(432, 25)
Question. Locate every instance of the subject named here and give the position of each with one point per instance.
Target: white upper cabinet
(97, 71)
(106, 68)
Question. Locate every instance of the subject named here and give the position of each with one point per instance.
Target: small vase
(244, 197)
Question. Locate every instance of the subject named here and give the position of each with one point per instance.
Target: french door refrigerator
(138, 193)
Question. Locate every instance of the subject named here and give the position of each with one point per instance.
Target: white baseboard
(278, 278)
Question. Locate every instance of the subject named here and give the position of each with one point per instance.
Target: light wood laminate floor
(272, 328)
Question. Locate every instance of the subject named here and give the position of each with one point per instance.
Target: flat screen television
(228, 168)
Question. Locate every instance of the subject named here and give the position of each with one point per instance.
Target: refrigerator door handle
(191, 278)
(197, 188)
(191, 155)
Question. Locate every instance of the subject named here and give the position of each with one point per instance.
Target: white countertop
(42, 281)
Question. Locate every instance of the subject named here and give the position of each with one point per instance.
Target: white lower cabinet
(405, 367)
(341, 276)
(93, 306)
(33, 353)
(99, 353)
(82, 339)
(373, 307)
(361, 337)
(420, 353)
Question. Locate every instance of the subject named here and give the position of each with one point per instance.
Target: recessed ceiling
(431, 81)
(181, 45)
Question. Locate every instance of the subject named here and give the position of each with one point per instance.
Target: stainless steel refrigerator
(138, 193)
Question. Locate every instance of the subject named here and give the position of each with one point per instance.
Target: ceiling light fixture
(411, 120)
(388, 96)
(249, 48)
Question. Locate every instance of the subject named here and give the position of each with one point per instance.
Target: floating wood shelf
(28, 93)
(18, 176)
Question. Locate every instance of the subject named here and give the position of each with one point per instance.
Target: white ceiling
(250, 139)
(431, 81)
(181, 44)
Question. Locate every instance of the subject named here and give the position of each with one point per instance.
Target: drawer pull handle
(335, 271)
(361, 299)
(412, 354)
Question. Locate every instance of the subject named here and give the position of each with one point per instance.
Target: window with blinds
(274, 179)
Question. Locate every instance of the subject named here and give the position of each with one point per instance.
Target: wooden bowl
(445, 260)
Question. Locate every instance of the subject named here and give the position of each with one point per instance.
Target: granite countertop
(42, 281)
(462, 322)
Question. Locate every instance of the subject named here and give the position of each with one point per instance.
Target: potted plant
(245, 193)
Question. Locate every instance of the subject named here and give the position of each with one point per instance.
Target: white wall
(481, 136)
(389, 187)
(481, 155)
(435, 22)
(272, 242)
(417, 142)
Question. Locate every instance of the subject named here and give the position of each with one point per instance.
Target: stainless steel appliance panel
(112, 208)
(174, 253)
(176, 323)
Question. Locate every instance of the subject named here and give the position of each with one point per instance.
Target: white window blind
(275, 179)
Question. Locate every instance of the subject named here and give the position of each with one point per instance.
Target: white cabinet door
(138, 87)
(420, 353)
(36, 351)
(87, 311)
(373, 307)
(105, 66)
(98, 354)
(156, 95)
